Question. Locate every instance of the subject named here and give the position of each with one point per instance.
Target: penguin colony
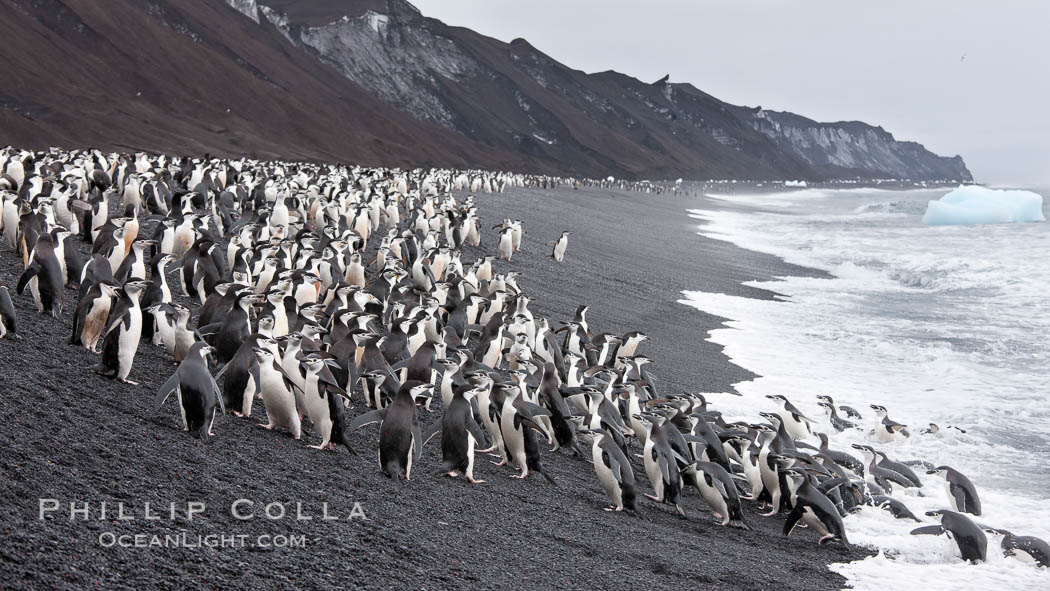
(340, 296)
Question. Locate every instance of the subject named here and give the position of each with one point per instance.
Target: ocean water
(947, 325)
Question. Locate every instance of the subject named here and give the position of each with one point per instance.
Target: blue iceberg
(979, 205)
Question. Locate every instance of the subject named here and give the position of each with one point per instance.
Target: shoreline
(74, 436)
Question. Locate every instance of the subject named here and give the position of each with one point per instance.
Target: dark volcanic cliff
(374, 80)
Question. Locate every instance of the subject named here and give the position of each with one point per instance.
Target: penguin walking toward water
(558, 252)
(661, 465)
(400, 440)
(121, 339)
(8, 321)
(814, 509)
(717, 488)
(197, 392)
(614, 471)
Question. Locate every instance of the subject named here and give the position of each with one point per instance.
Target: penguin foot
(520, 476)
(127, 381)
(503, 463)
(452, 474)
(472, 481)
(321, 447)
(653, 498)
(266, 425)
(770, 514)
(612, 508)
(719, 516)
(487, 450)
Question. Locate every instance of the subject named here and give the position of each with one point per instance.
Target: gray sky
(894, 63)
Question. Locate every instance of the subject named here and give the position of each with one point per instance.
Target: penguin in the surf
(968, 536)
(961, 492)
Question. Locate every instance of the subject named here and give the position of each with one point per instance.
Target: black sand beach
(72, 436)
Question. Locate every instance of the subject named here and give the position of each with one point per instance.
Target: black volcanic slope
(375, 82)
(70, 435)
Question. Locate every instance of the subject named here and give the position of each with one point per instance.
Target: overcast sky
(969, 77)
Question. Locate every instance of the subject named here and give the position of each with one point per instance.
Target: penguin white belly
(814, 522)
(182, 409)
(166, 332)
(355, 275)
(316, 407)
(470, 456)
(652, 470)
(506, 248)
(606, 477)
(796, 429)
(754, 478)
(129, 344)
(513, 439)
(249, 397)
(279, 403)
(711, 496)
(408, 462)
(34, 288)
(951, 497)
(882, 435)
(1023, 556)
(559, 250)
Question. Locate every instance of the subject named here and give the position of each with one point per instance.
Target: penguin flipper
(613, 465)
(928, 530)
(166, 389)
(31, 271)
(431, 431)
(417, 450)
(959, 496)
(535, 410)
(216, 392)
(221, 371)
(475, 431)
(287, 378)
(208, 329)
(792, 519)
(368, 418)
(831, 484)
